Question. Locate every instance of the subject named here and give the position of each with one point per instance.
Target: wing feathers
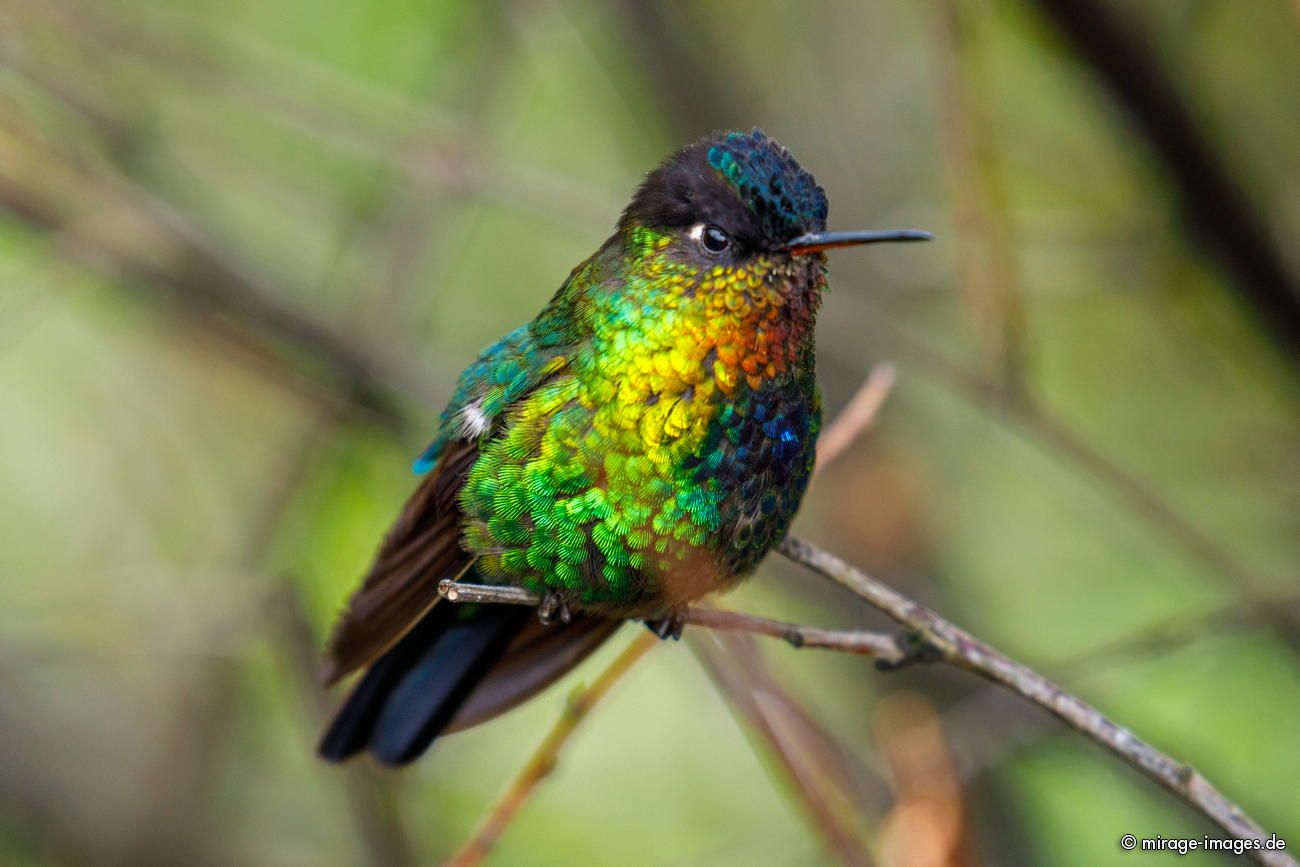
(421, 549)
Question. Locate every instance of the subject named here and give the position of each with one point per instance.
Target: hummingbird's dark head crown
(745, 183)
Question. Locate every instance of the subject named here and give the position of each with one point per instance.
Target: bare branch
(885, 648)
(988, 725)
(543, 760)
(491, 593)
(875, 644)
(957, 647)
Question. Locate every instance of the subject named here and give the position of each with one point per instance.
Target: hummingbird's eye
(714, 240)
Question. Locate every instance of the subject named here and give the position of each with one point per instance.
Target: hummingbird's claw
(668, 626)
(552, 607)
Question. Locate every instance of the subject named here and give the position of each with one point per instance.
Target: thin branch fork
(930, 637)
(959, 648)
(888, 650)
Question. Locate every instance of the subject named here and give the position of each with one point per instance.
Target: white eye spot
(696, 232)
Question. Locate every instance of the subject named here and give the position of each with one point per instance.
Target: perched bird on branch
(644, 441)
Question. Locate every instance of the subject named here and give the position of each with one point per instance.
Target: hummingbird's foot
(668, 626)
(553, 607)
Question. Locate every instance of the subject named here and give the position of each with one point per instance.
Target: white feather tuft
(472, 422)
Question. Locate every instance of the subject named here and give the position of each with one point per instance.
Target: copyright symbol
(1128, 842)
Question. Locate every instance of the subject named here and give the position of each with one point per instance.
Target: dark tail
(413, 691)
(459, 666)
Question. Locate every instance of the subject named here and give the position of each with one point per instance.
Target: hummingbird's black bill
(816, 242)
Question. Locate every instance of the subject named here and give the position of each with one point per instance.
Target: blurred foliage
(181, 478)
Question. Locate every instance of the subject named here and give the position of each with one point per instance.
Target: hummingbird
(644, 441)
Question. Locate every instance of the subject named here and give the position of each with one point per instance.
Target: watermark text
(1183, 845)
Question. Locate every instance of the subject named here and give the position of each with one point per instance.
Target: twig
(885, 648)
(490, 593)
(542, 763)
(876, 644)
(988, 725)
(857, 417)
(959, 648)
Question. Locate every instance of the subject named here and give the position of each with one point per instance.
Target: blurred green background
(246, 246)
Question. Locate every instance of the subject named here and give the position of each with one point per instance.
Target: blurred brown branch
(793, 733)
(543, 760)
(927, 826)
(138, 239)
(858, 415)
(988, 271)
(835, 791)
(1217, 211)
